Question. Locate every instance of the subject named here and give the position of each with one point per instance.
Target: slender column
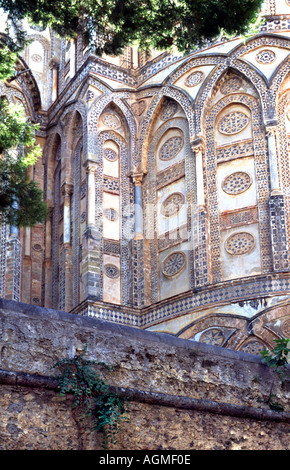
(67, 190)
(277, 214)
(140, 248)
(47, 264)
(27, 241)
(198, 149)
(91, 172)
(54, 65)
(273, 161)
(26, 267)
(199, 221)
(91, 264)
(137, 179)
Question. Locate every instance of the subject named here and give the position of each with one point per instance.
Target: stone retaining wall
(183, 394)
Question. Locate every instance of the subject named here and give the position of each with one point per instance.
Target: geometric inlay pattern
(172, 204)
(111, 271)
(37, 247)
(173, 264)
(231, 85)
(233, 123)
(237, 183)
(286, 328)
(213, 336)
(240, 243)
(194, 79)
(169, 110)
(235, 150)
(36, 58)
(265, 57)
(171, 148)
(110, 155)
(111, 214)
(254, 347)
(111, 120)
(138, 107)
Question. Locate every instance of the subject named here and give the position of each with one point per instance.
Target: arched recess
(283, 142)
(75, 184)
(56, 224)
(114, 205)
(169, 93)
(168, 202)
(129, 127)
(239, 333)
(227, 331)
(237, 183)
(37, 55)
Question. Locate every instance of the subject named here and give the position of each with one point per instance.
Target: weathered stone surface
(34, 417)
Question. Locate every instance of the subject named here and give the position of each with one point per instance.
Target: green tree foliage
(21, 200)
(158, 24)
(277, 359)
(7, 62)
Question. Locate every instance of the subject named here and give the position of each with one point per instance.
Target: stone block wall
(183, 394)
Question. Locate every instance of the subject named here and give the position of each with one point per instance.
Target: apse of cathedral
(167, 180)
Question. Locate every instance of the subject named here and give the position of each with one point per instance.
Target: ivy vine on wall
(81, 378)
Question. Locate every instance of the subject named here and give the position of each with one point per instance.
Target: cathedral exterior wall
(167, 184)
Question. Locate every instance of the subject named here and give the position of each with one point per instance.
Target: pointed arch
(149, 121)
(213, 156)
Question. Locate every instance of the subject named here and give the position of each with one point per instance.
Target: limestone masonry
(167, 178)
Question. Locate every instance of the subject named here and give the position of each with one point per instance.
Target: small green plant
(277, 359)
(92, 395)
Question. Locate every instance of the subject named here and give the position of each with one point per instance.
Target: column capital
(197, 144)
(67, 189)
(91, 167)
(137, 176)
(54, 63)
(270, 130)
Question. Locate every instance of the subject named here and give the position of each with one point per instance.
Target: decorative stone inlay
(83, 190)
(111, 214)
(169, 110)
(235, 151)
(173, 264)
(238, 217)
(240, 243)
(37, 247)
(231, 85)
(111, 271)
(265, 57)
(110, 155)
(83, 217)
(36, 58)
(254, 347)
(139, 107)
(111, 184)
(213, 336)
(233, 123)
(171, 148)
(90, 95)
(194, 79)
(236, 183)
(111, 120)
(286, 328)
(172, 204)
